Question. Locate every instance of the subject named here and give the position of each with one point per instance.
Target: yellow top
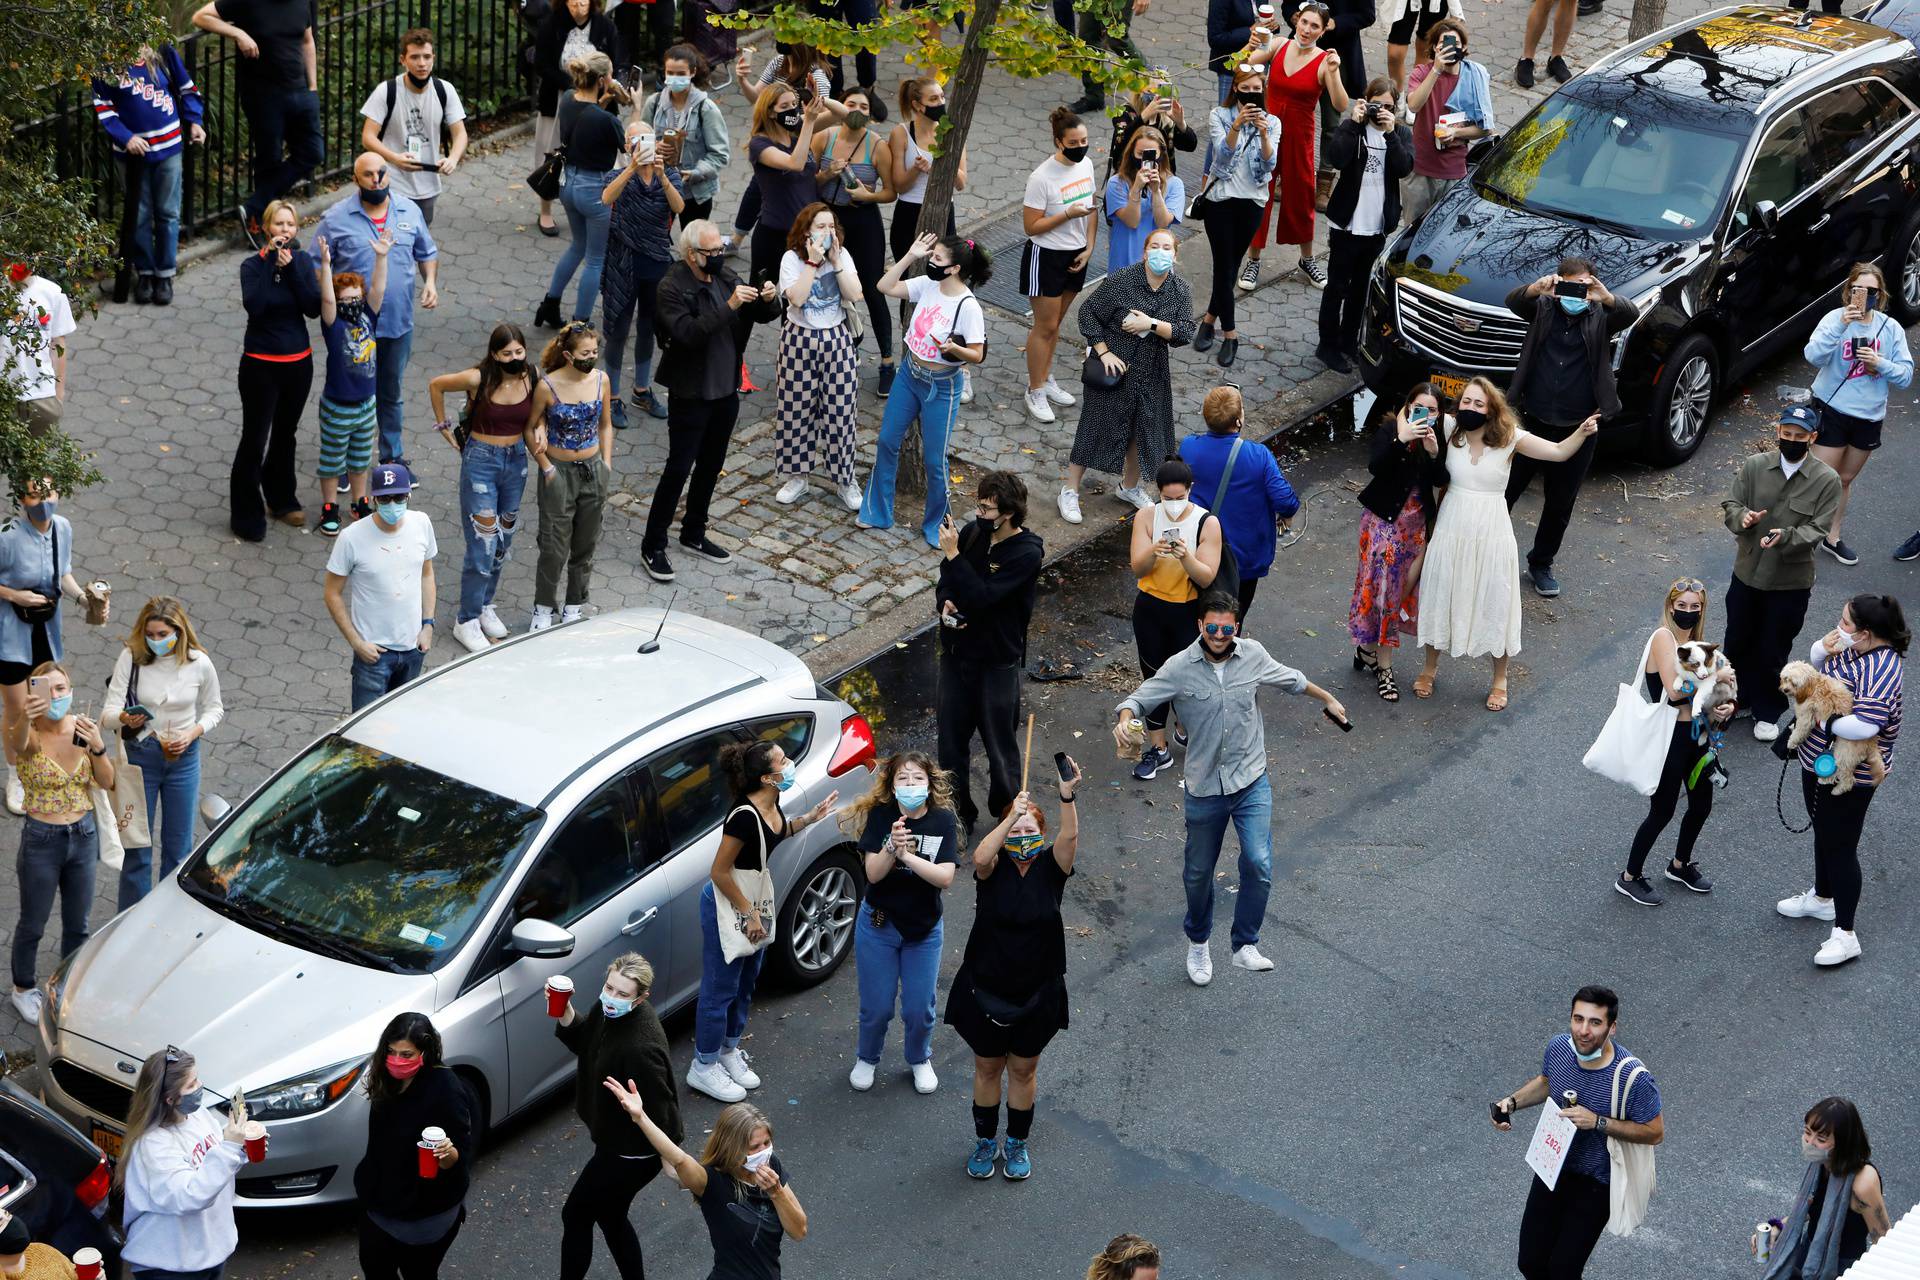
(1168, 579)
(52, 791)
(44, 1262)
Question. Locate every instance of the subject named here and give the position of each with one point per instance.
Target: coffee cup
(86, 1263)
(559, 992)
(430, 1139)
(255, 1136)
(98, 595)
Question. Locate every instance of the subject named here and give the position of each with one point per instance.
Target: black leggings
(1161, 629)
(384, 1258)
(601, 1197)
(1837, 820)
(273, 395)
(1682, 754)
(867, 242)
(1230, 226)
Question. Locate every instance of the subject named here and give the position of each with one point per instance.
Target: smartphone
(1569, 289)
(1499, 1116)
(1346, 726)
(1873, 299)
(36, 684)
(1419, 414)
(1065, 767)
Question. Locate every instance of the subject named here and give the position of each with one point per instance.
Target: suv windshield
(1594, 163)
(361, 855)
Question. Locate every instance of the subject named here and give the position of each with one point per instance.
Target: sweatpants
(571, 503)
(975, 698)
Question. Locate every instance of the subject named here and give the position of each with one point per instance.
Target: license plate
(108, 1141)
(1449, 385)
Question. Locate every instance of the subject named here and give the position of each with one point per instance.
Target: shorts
(346, 436)
(1844, 431)
(1403, 31)
(1026, 1037)
(1048, 273)
(13, 673)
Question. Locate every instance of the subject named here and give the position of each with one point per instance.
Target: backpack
(439, 92)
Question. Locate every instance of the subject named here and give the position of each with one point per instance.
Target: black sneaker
(1180, 738)
(1558, 69)
(1523, 73)
(1638, 890)
(1152, 761)
(1544, 583)
(1910, 549)
(330, 520)
(658, 567)
(1839, 551)
(707, 549)
(1086, 104)
(1689, 875)
(885, 388)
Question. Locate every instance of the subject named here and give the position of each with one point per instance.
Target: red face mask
(403, 1068)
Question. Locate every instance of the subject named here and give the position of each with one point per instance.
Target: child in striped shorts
(349, 309)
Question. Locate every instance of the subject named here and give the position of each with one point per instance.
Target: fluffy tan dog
(1818, 699)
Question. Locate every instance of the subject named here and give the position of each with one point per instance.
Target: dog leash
(1779, 798)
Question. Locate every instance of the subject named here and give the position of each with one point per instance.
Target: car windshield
(358, 854)
(1627, 173)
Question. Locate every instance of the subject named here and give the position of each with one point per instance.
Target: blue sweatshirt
(152, 100)
(1257, 496)
(1843, 383)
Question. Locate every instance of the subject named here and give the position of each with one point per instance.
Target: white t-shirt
(43, 303)
(822, 309)
(938, 318)
(1367, 210)
(1055, 188)
(383, 578)
(414, 130)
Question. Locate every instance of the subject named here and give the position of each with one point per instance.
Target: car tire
(816, 920)
(1903, 263)
(1682, 405)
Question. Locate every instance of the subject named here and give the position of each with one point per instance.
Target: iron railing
(476, 48)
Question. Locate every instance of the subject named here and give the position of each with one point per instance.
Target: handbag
(1632, 746)
(544, 181)
(129, 800)
(1632, 1177)
(38, 613)
(1094, 374)
(758, 886)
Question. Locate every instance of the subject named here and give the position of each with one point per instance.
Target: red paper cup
(429, 1166)
(256, 1141)
(86, 1264)
(559, 991)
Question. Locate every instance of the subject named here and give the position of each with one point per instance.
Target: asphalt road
(1440, 889)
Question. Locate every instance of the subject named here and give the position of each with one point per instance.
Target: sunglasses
(1690, 584)
(1221, 629)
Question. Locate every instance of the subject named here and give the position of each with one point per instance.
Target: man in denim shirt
(1214, 686)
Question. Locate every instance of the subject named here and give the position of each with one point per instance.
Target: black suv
(1723, 174)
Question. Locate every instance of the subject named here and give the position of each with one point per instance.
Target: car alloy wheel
(1910, 272)
(1690, 403)
(823, 918)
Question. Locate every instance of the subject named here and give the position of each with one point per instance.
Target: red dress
(1296, 100)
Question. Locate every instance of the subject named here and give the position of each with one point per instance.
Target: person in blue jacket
(1257, 496)
(149, 112)
(1859, 351)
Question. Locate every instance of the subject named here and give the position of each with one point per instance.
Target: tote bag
(758, 886)
(1631, 1175)
(129, 801)
(1632, 746)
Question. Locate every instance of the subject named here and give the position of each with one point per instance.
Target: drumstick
(1027, 759)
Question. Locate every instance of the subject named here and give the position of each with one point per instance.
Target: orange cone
(747, 387)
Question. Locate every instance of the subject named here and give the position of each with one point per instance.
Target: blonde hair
(1123, 1257)
(634, 967)
(1680, 587)
(170, 611)
(1223, 407)
(589, 69)
(853, 818)
(268, 214)
(1501, 425)
(732, 1134)
(763, 111)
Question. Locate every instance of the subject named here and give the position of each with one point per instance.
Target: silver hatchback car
(534, 809)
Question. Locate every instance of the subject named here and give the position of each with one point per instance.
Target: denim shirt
(26, 564)
(1218, 704)
(349, 234)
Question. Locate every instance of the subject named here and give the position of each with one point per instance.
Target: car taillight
(93, 1189)
(855, 748)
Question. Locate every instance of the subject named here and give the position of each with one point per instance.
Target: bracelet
(1066, 799)
(426, 622)
(101, 752)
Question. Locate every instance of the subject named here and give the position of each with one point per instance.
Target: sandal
(1423, 685)
(1497, 698)
(1364, 661)
(1384, 682)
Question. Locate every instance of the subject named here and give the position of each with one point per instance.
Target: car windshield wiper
(286, 930)
(1591, 219)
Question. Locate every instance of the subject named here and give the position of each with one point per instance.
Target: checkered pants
(818, 389)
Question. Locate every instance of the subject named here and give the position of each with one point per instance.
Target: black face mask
(712, 262)
(419, 82)
(1793, 450)
(934, 112)
(1251, 98)
(512, 366)
(376, 196)
(1468, 419)
(789, 119)
(585, 363)
(1686, 621)
(939, 270)
(1074, 155)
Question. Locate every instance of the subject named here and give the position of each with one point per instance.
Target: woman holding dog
(1684, 619)
(1866, 653)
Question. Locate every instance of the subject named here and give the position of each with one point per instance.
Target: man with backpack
(405, 118)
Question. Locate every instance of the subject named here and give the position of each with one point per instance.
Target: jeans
(601, 1196)
(698, 433)
(1761, 629)
(726, 988)
(376, 679)
(1251, 809)
(971, 698)
(284, 125)
(588, 220)
(1561, 1226)
(390, 378)
(153, 191)
(934, 399)
(52, 858)
(173, 791)
(273, 395)
(492, 478)
(885, 963)
(1559, 490)
(148, 1273)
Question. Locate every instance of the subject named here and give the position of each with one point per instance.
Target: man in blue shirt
(350, 227)
(1241, 483)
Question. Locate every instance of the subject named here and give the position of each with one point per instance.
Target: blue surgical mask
(57, 708)
(162, 647)
(679, 84)
(191, 1102)
(1595, 1056)
(40, 512)
(1573, 306)
(1026, 846)
(787, 777)
(392, 512)
(614, 1006)
(911, 797)
(1159, 261)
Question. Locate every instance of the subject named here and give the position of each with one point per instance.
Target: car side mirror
(541, 938)
(1478, 148)
(1767, 214)
(214, 809)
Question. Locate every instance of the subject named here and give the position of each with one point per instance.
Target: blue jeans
(154, 189)
(376, 679)
(886, 962)
(492, 479)
(173, 791)
(935, 400)
(52, 859)
(726, 989)
(587, 223)
(284, 128)
(148, 1273)
(390, 375)
(1251, 809)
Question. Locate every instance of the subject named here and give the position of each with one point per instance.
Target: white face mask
(1847, 638)
(758, 1160)
(1175, 508)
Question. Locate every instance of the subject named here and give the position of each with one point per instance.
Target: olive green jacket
(1801, 504)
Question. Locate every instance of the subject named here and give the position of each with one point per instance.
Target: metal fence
(476, 48)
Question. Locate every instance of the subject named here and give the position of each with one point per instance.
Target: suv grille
(95, 1092)
(1474, 337)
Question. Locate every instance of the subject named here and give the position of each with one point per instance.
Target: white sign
(1552, 1137)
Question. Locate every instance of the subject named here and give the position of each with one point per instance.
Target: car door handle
(639, 922)
(1825, 218)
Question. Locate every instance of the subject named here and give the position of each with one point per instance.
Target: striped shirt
(1874, 679)
(1594, 1086)
(151, 100)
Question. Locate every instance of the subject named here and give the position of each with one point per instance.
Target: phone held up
(1569, 289)
(1065, 768)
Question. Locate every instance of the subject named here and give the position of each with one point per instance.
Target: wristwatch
(1600, 1125)
(426, 622)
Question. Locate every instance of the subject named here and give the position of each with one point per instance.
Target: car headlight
(303, 1095)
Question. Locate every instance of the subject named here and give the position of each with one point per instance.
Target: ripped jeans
(492, 478)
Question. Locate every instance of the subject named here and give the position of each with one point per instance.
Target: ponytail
(970, 260)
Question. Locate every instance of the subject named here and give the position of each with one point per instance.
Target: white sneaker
(712, 1079)
(16, 794)
(851, 496)
(1070, 505)
(27, 1003)
(1057, 393)
(490, 624)
(790, 491)
(1038, 407)
(470, 636)
(542, 618)
(861, 1077)
(1841, 946)
(966, 386)
(573, 613)
(1249, 957)
(734, 1063)
(1805, 906)
(924, 1081)
(1765, 730)
(1134, 497)
(1199, 963)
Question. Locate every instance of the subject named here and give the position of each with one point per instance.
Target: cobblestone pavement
(153, 391)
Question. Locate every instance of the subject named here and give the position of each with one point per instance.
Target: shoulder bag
(38, 613)
(544, 181)
(1632, 746)
(758, 886)
(1227, 577)
(1631, 1175)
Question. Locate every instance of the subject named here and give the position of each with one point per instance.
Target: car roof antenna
(653, 645)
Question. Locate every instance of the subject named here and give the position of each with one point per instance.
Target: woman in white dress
(1470, 582)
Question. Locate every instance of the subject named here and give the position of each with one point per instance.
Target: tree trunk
(1648, 17)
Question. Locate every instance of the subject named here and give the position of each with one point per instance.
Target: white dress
(1470, 583)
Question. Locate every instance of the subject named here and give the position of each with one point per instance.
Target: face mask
(419, 82)
(352, 312)
(191, 1102)
(1590, 1057)
(1074, 155)
(1025, 847)
(857, 120)
(758, 1160)
(1468, 419)
(1686, 621)
(1847, 638)
(376, 196)
(1251, 97)
(1793, 450)
(585, 363)
(788, 119)
(1176, 508)
(403, 1068)
(939, 270)
(161, 648)
(614, 1006)
(679, 84)
(1812, 1152)
(1573, 306)
(712, 262)
(392, 512)
(934, 112)
(40, 512)
(911, 797)
(787, 777)
(512, 366)
(1159, 261)
(57, 708)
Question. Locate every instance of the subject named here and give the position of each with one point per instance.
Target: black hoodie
(388, 1177)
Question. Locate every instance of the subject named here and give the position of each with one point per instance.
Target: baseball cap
(1798, 415)
(390, 478)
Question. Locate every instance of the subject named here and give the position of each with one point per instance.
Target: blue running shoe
(1019, 1165)
(980, 1163)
